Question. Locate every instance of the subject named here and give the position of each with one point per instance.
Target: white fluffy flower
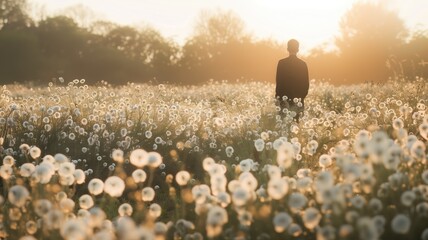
(277, 188)
(296, 201)
(114, 186)
(303, 172)
(18, 195)
(154, 159)
(218, 183)
(155, 210)
(79, 176)
(273, 171)
(74, 229)
(96, 186)
(8, 160)
(418, 150)
(240, 196)
(148, 194)
(42, 207)
(67, 205)
(200, 193)
(35, 152)
(248, 181)
(281, 221)
(217, 216)
(246, 165)
(182, 177)
(66, 169)
(311, 217)
(407, 198)
(324, 180)
(285, 155)
(224, 199)
(217, 169)
(294, 230)
(49, 158)
(139, 175)
(278, 142)
(44, 172)
(86, 201)
(66, 180)
(423, 130)
(60, 158)
(367, 229)
(375, 205)
(325, 161)
(259, 144)
(125, 210)
(401, 224)
(27, 169)
(160, 228)
(208, 163)
(138, 158)
(6, 171)
(117, 155)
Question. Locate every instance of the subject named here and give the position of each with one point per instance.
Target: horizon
(262, 20)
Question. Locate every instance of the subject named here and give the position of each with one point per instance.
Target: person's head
(293, 46)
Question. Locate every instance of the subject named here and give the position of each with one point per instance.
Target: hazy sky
(312, 22)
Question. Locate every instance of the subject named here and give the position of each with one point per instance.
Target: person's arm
(306, 79)
(278, 80)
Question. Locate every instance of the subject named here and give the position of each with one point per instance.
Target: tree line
(373, 45)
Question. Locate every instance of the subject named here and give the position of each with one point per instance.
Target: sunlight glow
(312, 22)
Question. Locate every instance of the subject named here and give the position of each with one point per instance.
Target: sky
(312, 22)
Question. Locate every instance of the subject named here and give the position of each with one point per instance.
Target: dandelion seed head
(155, 210)
(148, 194)
(125, 209)
(182, 178)
(139, 175)
(18, 195)
(400, 224)
(311, 218)
(277, 188)
(96, 186)
(282, 221)
(8, 160)
(114, 186)
(139, 158)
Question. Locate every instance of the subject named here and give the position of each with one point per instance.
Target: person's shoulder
(301, 61)
(282, 62)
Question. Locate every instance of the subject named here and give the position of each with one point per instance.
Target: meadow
(215, 161)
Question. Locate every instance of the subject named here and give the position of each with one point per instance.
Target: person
(292, 81)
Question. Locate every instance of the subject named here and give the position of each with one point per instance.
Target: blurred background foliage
(373, 45)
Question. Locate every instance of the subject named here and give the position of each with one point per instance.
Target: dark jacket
(292, 79)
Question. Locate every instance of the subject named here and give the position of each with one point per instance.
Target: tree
(81, 14)
(411, 60)
(154, 54)
(13, 15)
(20, 58)
(217, 36)
(63, 45)
(369, 35)
(211, 30)
(220, 27)
(102, 27)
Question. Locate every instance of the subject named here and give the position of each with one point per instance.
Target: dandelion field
(213, 162)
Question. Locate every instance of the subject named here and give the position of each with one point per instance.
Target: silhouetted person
(292, 81)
